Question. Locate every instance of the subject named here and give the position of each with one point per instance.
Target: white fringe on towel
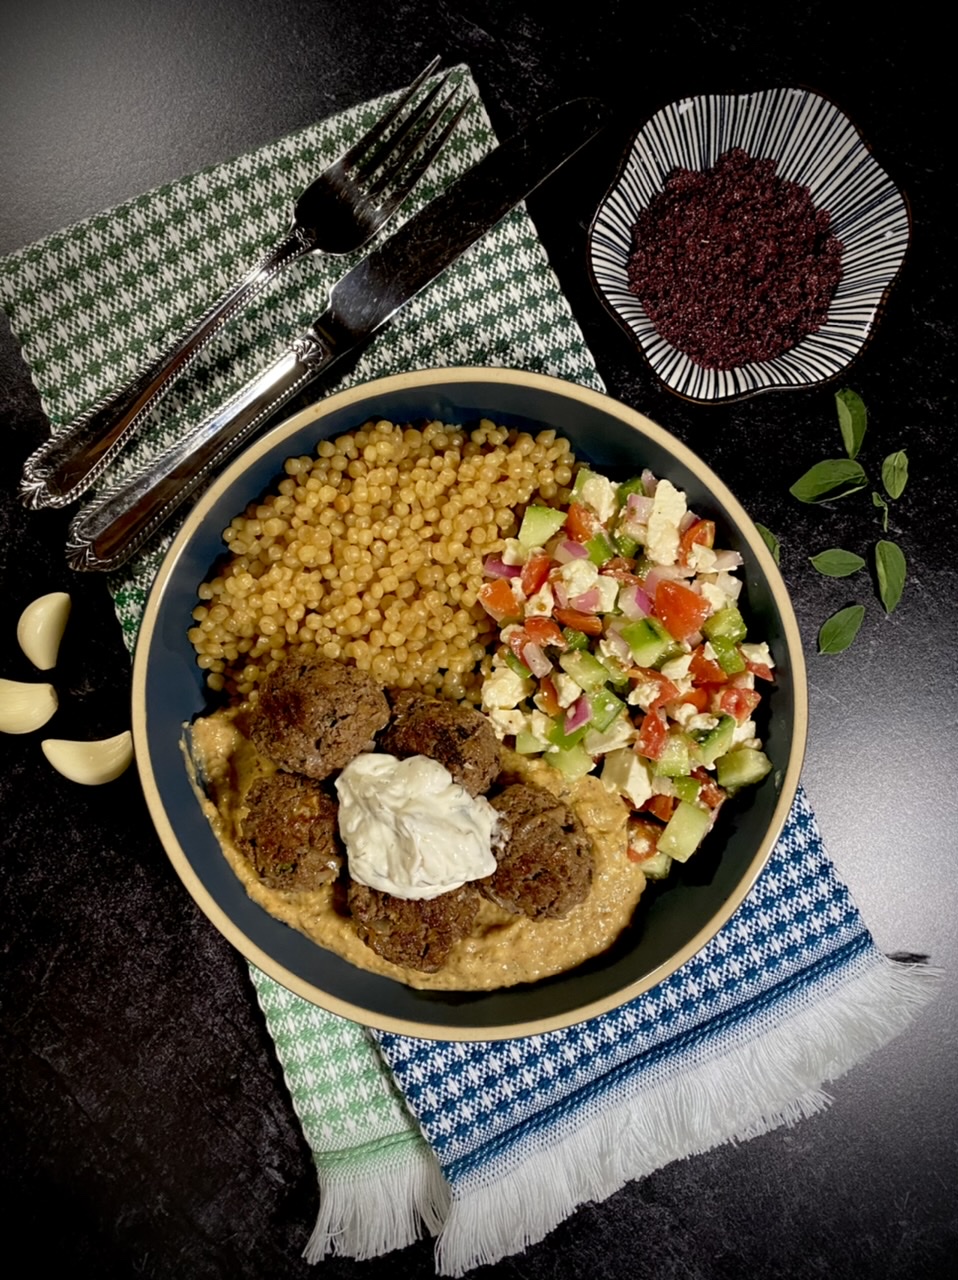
(384, 1206)
(753, 1081)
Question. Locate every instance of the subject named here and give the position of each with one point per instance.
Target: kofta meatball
(314, 715)
(417, 933)
(459, 737)
(290, 832)
(544, 856)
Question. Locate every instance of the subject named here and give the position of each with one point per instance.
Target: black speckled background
(146, 1129)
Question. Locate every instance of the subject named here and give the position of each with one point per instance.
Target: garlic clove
(25, 706)
(90, 763)
(41, 628)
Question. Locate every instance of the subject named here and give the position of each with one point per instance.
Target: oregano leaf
(891, 570)
(852, 420)
(833, 478)
(879, 501)
(840, 629)
(894, 473)
(771, 542)
(836, 563)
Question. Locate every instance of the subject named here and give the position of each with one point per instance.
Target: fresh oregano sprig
(835, 478)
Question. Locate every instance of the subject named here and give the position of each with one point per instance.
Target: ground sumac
(734, 264)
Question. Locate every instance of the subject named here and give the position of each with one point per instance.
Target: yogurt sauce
(409, 829)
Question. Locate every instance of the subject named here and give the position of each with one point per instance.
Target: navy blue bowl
(675, 918)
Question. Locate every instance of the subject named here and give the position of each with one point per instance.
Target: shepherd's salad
(623, 651)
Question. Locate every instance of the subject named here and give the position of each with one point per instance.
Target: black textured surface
(146, 1130)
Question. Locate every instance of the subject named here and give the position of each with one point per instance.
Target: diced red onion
(535, 659)
(568, 550)
(617, 643)
(634, 602)
(649, 483)
(639, 507)
(496, 567)
(724, 561)
(578, 714)
(687, 521)
(588, 601)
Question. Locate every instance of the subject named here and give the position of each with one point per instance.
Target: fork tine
(397, 163)
(376, 131)
(393, 145)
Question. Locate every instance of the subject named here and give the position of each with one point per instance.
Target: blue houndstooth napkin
(486, 1146)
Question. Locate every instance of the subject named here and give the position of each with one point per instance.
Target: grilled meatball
(415, 933)
(290, 833)
(459, 737)
(314, 715)
(544, 855)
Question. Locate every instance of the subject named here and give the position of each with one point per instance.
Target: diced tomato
(534, 572)
(499, 600)
(653, 735)
(710, 793)
(544, 631)
(739, 703)
(699, 699)
(701, 534)
(660, 807)
(759, 669)
(581, 524)
(589, 623)
(547, 698)
(705, 670)
(643, 840)
(666, 691)
(681, 609)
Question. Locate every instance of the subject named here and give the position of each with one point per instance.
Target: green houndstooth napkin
(98, 300)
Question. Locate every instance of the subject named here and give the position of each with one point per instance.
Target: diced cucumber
(625, 546)
(687, 788)
(715, 742)
(650, 643)
(600, 547)
(517, 665)
(657, 867)
(605, 708)
(727, 623)
(741, 768)
(527, 744)
(675, 759)
(564, 741)
(617, 676)
(575, 639)
(685, 831)
(633, 485)
(539, 524)
(727, 655)
(573, 762)
(587, 671)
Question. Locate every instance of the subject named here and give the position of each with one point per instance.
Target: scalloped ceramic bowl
(813, 143)
(673, 921)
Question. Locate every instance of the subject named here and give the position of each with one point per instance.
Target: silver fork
(337, 213)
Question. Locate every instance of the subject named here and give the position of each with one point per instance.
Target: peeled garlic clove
(25, 707)
(41, 628)
(90, 762)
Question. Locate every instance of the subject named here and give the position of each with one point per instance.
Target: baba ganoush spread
(503, 948)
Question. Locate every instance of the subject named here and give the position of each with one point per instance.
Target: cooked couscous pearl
(372, 551)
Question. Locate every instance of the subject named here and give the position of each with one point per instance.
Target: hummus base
(503, 949)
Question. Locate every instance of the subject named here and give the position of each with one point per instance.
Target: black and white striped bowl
(812, 142)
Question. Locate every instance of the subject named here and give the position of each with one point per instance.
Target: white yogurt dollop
(409, 830)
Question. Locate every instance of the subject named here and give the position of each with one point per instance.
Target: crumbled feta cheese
(668, 508)
(567, 691)
(619, 734)
(577, 576)
(514, 552)
(701, 720)
(542, 603)
(608, 590)
(701, 558)
(624, 773)
(507, 722)
(504, 689)
(677, 668)
(598, 493)
(731, 585)
(683, 713)
(713, 594)
(743, 732)
(643, 693)
(757, 653)
(539, 726)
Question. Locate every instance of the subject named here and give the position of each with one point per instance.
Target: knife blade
(106, 533)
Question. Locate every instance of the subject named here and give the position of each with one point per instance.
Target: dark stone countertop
(147, 1130)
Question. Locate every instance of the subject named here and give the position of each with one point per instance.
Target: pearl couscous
(372, 551)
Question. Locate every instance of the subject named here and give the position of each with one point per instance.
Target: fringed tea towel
(487, 1146)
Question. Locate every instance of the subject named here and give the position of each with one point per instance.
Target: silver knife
(106, 533)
